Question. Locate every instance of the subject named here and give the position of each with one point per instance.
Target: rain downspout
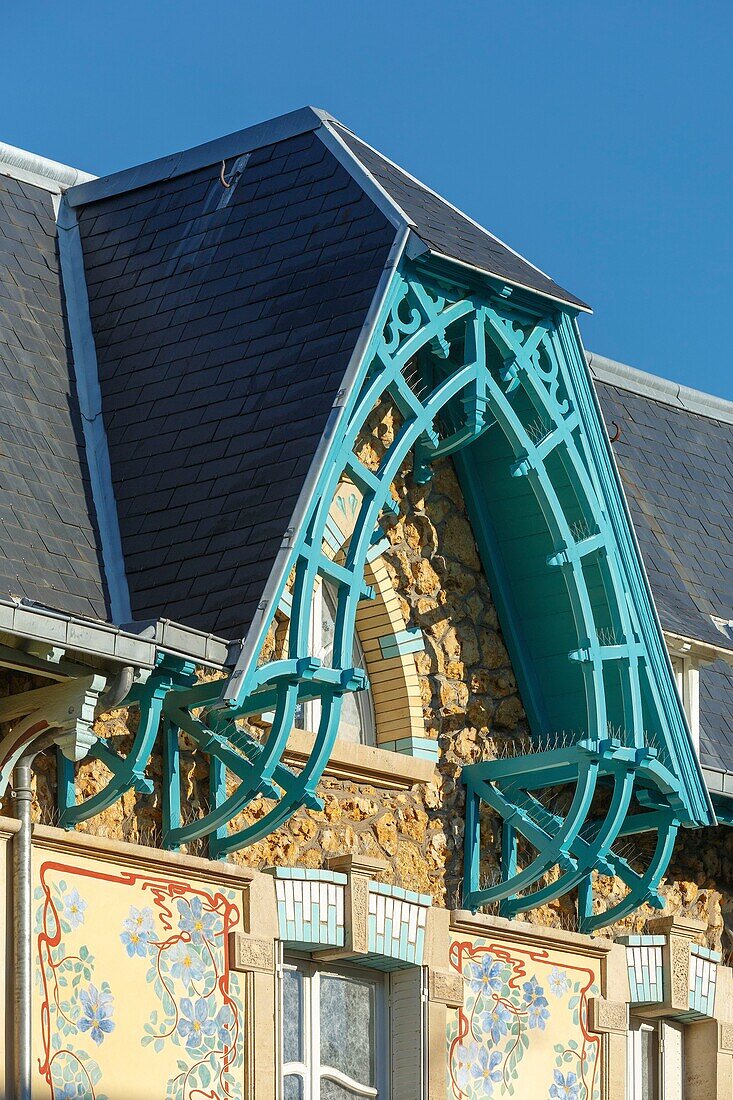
(23, 918)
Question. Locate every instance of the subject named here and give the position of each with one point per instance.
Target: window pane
(347, 1026)
(292, 1017)
(293, 1089)
(331, 1091)
(357, 717)
(649, 1064)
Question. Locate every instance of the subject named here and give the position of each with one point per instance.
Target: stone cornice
(481, 924)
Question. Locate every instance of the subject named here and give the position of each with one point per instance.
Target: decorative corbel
(65, 709)
(681, 933)
(608, 1016)
(359, 871)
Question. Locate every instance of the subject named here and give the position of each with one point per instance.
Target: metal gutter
(51, 175)
(133, 644)
(659, 389)
(252, 642)
(201, 156)
(704, 651)
(84, 356)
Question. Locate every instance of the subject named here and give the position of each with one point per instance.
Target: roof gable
(224, 319)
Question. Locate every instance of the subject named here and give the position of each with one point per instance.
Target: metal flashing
(637, 381)
(371, 187)
(51, 175)
(485, 271)
(90, 404)
(189, 160)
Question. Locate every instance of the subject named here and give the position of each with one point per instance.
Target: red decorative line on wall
(460, 951)
(162, 890)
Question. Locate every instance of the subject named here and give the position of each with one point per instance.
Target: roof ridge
(660, 389)
(168, 167)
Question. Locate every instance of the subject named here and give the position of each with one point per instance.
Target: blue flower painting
(486, 976)
(96, 1017)
(486, 1071)
(511, 996)
(565, 1086)
(137, 930)
(187, 1004)
(194, 919)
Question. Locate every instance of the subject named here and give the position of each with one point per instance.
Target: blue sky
(595, 138)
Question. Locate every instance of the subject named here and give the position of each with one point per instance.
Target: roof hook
(617, 434)
(222, 177)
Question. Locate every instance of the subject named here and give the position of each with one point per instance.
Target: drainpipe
(23, 919)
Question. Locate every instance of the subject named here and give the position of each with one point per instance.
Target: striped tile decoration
(310, 906)
(703, 978)
(397, 920)
(426, 748)
(644, 962)
(410, 640)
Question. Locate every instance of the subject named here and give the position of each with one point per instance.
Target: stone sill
(120, 851)
(394, 771)
(482, 924)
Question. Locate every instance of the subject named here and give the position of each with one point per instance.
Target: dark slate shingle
(224, 323)
(716, 716)
(50, 543)
(447, 231)
(677, 470)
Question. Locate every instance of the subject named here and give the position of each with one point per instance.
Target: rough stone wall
(470, 703)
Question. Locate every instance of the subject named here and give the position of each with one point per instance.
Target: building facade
(366, 652)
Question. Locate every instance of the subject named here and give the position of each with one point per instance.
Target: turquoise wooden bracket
(500, 385)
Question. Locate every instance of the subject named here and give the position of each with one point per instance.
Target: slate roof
(48, 533)
(675, 457)
(224, 321)
(677, 469)
(716, 716)
(446, 230)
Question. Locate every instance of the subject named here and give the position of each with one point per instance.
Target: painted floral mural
(164, 985)
(517, 1002)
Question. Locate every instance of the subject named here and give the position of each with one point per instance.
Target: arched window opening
(356, 722)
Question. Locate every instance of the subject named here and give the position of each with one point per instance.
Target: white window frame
(687, 676)
(670, 1042)
(310, 1070)
(364, 702)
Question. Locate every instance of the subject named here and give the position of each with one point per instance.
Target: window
(334, 1033)
(687, 675)
(357, 711)
(654, 1060)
